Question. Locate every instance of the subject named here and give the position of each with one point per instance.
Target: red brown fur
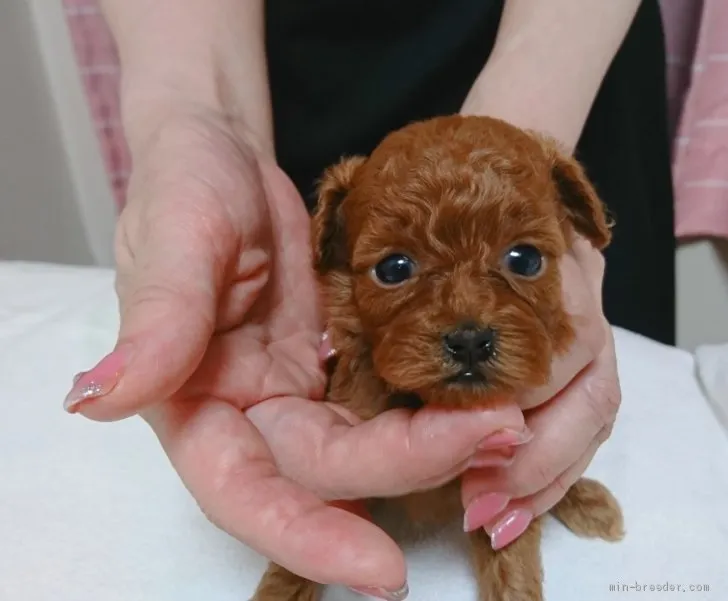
(453, 194)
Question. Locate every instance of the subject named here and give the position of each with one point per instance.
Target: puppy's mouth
(462, 387)
(467, 376)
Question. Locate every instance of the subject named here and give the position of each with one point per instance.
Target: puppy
(438, 261)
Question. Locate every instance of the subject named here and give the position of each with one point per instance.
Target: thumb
(393, 454)
(167, 293)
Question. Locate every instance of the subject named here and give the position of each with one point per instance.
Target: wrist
(149, 100)
(513, 91)
(205, 58)
(548, 63)
(148, 107)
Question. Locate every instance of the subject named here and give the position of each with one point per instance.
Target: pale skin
(209, 328)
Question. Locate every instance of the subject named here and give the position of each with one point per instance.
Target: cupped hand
(218, 350)
(569, 418)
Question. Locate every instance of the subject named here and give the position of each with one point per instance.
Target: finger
(295, 278)
(393, 454)
(167, 311)
(546, 499)
(584, 309)
(227, 467)
(505, 520)
(563, 429)
(243, 366)
(326, 348)
(184, 231)
(592, 264)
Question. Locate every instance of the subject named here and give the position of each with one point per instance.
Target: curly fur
(453, 193)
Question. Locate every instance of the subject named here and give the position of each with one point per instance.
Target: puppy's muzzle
(468, 347)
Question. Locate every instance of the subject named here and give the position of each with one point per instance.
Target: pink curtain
(697, 89)
(99, 67)
(699, 59)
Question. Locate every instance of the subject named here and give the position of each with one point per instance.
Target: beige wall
(702, 297)
(38, 214)
(55, 201)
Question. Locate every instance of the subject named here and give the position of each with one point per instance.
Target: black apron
(344, 73)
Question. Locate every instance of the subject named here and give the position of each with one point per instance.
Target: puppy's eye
(393, 270)
(524, 260)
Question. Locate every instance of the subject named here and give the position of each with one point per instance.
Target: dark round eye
(394, 269)
(524, 260)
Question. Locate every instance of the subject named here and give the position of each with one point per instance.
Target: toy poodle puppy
(438, 263)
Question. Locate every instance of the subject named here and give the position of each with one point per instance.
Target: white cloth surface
(712, 371)
(93, 512)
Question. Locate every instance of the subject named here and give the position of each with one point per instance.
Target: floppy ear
(583, 206)
(328, 229)
(577, 195)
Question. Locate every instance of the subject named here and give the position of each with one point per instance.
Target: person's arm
(548, 62)
(209, 53)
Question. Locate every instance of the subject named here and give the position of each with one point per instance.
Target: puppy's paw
(513, 573)
(278, 584)
(591, 511)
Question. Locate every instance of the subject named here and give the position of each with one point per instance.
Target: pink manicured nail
(483, 510)
(506, 438)
(510, 528)
(496, 458)
(380, 593)
(97, 382)
(326, 350)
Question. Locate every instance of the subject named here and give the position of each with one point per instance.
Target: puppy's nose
(470, 345)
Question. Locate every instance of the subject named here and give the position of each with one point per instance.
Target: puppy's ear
(583, 206)
(328, 228)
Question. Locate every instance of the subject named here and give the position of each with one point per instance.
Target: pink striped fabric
(701, 144)
(99, 67)
(697, 88)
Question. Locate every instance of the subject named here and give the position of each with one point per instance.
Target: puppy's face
(439, 256)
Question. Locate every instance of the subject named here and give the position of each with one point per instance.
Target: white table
(93, 512)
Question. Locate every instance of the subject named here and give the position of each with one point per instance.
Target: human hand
(219, 316)
(569, 418)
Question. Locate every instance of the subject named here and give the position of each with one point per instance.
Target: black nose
(470, 345)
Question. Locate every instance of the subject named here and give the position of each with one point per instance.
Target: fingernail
(326, 350)
(483, 510)
(496, 458)
(97, 382)
(510, 528)
(380, 593)
(506, 438)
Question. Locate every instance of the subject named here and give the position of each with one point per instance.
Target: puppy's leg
(278, 584)
(591, 511)
(513, 573)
